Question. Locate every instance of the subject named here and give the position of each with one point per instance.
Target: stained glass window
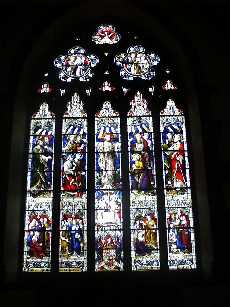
(143, 199)
(169, 85)
(106, 86)
(106, 34)
(73, 215)
(45, 88)
(178, 201)
(136, 63)
(38, 215)
(108, 198)
(76, 65)
(115, 208)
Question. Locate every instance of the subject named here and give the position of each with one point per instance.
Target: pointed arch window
(143, 197)
(108, 190)
(177, 188)
(73, 204)
(123, 198)
(39, 198)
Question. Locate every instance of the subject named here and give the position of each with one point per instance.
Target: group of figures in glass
(134, 63)
(108, 155)
(42, 158)
(108, 197)
(39, 191)
(73, 218)
(38, 237)
(74, 160)
(109, 192)
(141, 157)
(71, 234)
(178, 201)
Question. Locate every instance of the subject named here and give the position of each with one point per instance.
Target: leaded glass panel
(38, 215)
(108, 198)
(136, 63)
(73, 206)
(76, 64)
(178, 201)
(142, 179)
(144, 203)
(106, 34)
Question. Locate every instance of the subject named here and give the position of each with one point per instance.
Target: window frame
(22, 121)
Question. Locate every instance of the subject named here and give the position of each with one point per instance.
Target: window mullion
(160, 191)
(125, 194)
(56, 194)
(91, 194)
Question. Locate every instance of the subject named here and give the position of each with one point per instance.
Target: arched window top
(112, 65)
(139, 106)
(158, 38)
(121, 186)
(75, 107)
(43, 112)
(107, 110)
(171, 109)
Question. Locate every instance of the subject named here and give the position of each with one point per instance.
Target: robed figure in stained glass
(38, 239)
(74, 142)
(72, 235)
(72, 174)
(73, 222)
(38, 215)
(108, 197)
(76, 64)
(178, 167)
(143, 209)
(136, 63)
(140, 194)
(141, 162)
(107, 159)
(42, 163)
(179, 234)
(146, 234)
(108, 252)
(173, 147)
(178, 201)
(74, 159)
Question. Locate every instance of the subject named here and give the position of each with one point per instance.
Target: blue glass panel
(178, 201)
(73, 234)
(73, 206)
(38, 214)
(142, 180)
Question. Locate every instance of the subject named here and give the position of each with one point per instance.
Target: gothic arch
(58, 31)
